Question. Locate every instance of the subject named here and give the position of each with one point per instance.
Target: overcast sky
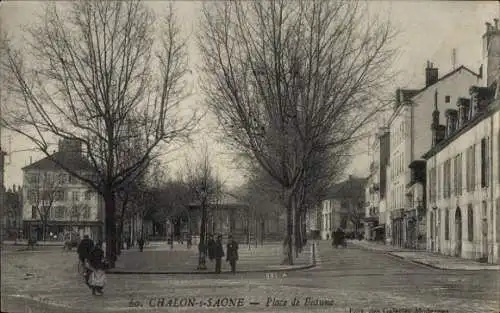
(429, 30)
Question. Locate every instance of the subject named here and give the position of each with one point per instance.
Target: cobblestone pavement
(163, 259)
(348, 279)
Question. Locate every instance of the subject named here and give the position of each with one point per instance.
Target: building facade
(409, 141)
(3, 216)
(13, 207)
(344, 207)
(464, 179)
(376, 188)
(55, 203)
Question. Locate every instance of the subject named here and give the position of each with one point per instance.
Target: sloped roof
(72, 161)
(353, 187)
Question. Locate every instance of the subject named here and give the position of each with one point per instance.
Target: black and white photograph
(250, 156)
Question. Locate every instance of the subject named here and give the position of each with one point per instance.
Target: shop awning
(371, 219)
(379, 227)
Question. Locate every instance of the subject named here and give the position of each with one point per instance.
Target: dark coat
(96, 258)
(85, 247)
(211, 249)
(232, 251)
(218, 250)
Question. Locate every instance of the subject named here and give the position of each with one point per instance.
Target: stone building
(57, 202)
(344, 207)
(409, 140)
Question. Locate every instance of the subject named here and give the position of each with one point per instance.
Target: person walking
(95, 275)
(84, 248)
(232, 253)
(211, 247)
(218, 253)
(140, 242)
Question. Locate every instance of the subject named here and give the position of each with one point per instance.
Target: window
(447, 99)
(484, 163)
(62, 178)
(76, 196)
(88, 195)
(471, 168)
(457, 174)
(32, 178)
(59, 195)
(60, 212)
(432, 184)
(86, 213)
(447, 179)
(498, 154)
(447, 224)
(33, 212)
(470, 223)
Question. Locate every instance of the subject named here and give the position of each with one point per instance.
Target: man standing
(211, 247)
(232, 253)
(218, 252)
(84, 248)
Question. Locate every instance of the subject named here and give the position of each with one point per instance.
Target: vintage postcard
(250, 156)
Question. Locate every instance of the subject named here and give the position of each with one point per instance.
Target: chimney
(431, 74)
(481, 71)
(451, 121)
(496, 23)
(463, 111)
(435, 120)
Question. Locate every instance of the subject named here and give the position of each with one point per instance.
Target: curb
(278, 270)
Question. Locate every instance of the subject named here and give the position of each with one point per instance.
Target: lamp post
(201, 245)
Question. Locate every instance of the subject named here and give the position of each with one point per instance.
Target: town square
(250, 156)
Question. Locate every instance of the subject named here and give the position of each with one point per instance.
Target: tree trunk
(262, 231)
(120, 228)
(289, 240)
(109, 220)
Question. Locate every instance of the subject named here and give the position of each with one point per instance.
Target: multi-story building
(3, 217)
(344, 207)
(375, 218)
(55, 202)
(409, 141)
(463, 168)
(13, 212)
(464, 179)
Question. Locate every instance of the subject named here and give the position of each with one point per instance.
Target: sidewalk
(161, 259)
(433, 260)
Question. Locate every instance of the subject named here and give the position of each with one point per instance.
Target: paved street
(344, 279)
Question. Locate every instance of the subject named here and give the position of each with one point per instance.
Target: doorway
(458, 232)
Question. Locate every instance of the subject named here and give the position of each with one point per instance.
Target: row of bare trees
(291, 83)
(294, 84)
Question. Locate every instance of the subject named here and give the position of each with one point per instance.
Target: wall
(477, 199)
(68, 188)
(455, 86)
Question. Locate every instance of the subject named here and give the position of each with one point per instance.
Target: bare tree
(43, 193)
(287, 79)
(204, 187)
(101, 69)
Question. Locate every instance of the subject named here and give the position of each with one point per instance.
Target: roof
(353, 187)
(416, 92)
(72, 161)
(493, 106)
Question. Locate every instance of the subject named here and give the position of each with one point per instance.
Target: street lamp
(201, 246)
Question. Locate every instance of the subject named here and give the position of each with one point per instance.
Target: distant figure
(218, 254)
(211, 247)
(140, 242)
(96, 276)
(232, 253)
(84, 248)
(189, 241)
